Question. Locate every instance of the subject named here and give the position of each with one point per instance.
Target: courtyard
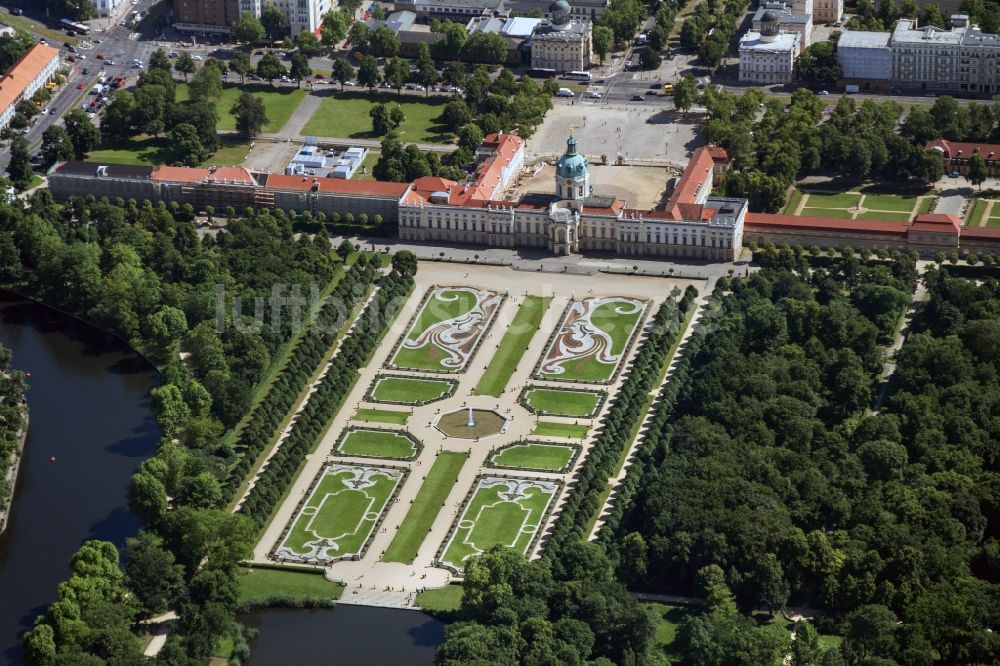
(865, 203)
(466, 491)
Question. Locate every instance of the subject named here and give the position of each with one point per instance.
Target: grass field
(279, 103)
(347, 115)
(535, 456)
(441, 599)
(669, 618)
(887, 217)
(262, 586)
(377, 444)
(553, 429)
(840, 200)
(440, 480)
(977, 212)
(901, 203)
(592, 340)
(340, 512)
(560, 402)
(926, 204)
(154, 150)
(409, 390)
(381, 416)
(827, 212)
(445, 331)
(993, 221)
(793, 202)
(501, 511)
(512, 346)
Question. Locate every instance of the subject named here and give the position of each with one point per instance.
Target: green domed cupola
(572, 173)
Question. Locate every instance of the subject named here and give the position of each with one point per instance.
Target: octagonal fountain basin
(468, 423)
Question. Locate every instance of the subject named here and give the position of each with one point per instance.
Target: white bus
(577, 76)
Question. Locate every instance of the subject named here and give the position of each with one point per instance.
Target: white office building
(865, 56)
(828, 11)
(110, 8)
(768, 56)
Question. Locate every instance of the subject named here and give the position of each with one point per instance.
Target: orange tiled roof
(28, 68)
(373, 188)
(827, 224)
(951, 149)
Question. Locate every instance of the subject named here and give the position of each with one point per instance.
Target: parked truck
(850, 89)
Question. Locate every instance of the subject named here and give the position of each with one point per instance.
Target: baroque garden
(464, 429)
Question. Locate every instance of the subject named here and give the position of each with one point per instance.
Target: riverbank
(14, 459)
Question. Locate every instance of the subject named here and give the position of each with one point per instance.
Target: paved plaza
(369, 580)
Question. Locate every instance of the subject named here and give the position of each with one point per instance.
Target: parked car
(638, 98)
(101, 56)
(823, 92)
(954, 174)
(196, 57)
(593, 94)
(173, 54)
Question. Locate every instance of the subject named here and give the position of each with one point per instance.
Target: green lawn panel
(262, 585)
(409, 390)
(841, 200)
(553, 429)
(496, 521)
(376, 443)
(512, 346)
(588, 367)
(551, 457)
(562, 403)
(381, 416)
(338, 513)
(827, 212)
(892, 202)
(432, 494)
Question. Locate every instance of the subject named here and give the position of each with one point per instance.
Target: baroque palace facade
(692, 225)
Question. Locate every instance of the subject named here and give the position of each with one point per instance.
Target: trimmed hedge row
(627, 407)
(267, 416)
(354, 352)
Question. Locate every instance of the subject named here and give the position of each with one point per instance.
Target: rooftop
(782, 42)
(828, 224)
(906, 31)
(224, 174)
(80, 168)
(863, 40)
(372, 188)
(781, 15)
(27, 68)
(959, 149)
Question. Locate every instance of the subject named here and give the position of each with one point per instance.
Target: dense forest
(218, 314)
(770, 481)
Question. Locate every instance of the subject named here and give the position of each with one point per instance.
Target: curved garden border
(626, 350)
(389, 365)
(577, 450)
(370, 393)
(523, 400)
(272, 553)
(542, 521)
(418, 446)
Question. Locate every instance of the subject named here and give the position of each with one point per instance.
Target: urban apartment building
(26, 77)
(205, 15)
(956, 155)
(768, 56)
(562, 43)
(960, 59)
